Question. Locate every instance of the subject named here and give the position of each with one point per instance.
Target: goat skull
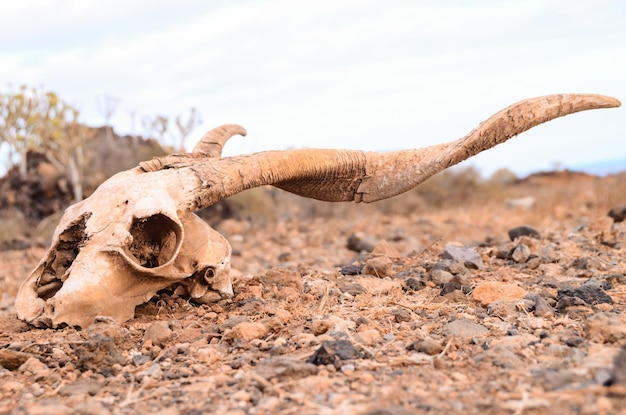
(137, 233)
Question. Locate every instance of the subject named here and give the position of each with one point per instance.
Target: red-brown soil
(536, 329)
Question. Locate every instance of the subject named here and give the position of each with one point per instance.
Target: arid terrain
(457, 297)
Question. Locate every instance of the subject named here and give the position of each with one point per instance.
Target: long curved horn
(210, 145)
(351, 175)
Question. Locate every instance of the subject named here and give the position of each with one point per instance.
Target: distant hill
(603, 167)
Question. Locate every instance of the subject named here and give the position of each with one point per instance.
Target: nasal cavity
(155, 240)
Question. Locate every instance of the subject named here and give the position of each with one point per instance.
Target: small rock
(508, 308)
(618, 214)
(384, 248)
(359, 242)
(320, 326)
(413, 284)
(100, 354)
(159, 333)
(451, 266)
(246, 331)
(400, 315)
(354, 289)
(542, 308)
(380, 266)
(606, 327)
(333, 351)
(37, 369)
(81, 387)
(589, 294)
(377, 286)
(439, 276)
(12, 359)
(427, 345)
(455, 284)
(368, 337)
(347, 368)
(285, 367)
(464, 329)
(573, 341)
(351, 269)
(520, 253)
(489, 292)
(140, 359)
(523, 230)
(618, 374)
(466, 256)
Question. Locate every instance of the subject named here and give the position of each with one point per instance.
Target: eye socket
(61, 257)
(156, 240)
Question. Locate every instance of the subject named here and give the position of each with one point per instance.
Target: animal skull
(137, 233)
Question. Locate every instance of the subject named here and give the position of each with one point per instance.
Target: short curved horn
(212, 143)
(351, 175)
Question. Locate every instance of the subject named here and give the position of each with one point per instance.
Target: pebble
(489, 292)
(347, 369)
(368, 337)
(508, 308)
(440, 276)
(353, 289)
(359, 242)
(351, 269)
(466, 256)
(159, 333)
(523, 230)
(618, 373)
(37, 369)
(282, 368)
(618, 214)
(331, 352)
(520, 253)
(413, 284)
(451, 286)
(401, 315)
(464, 329)
(246, 331)
(384, 248)
(320, 326)
(12, 359)
(426, 345)
(541, 306)
(379, 266)
(140, 359)
(81, 387)
(590, 295)
(606, 327)
(377, 286)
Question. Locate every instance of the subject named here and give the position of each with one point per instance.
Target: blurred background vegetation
(51, 159)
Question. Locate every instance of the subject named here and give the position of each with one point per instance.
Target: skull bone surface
(117, 248)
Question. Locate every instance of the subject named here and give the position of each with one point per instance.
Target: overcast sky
(359, 74)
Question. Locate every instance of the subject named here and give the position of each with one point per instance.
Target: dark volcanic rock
(332, 352)
(589, 294)
(618, 214)
(523, 230)
(359, 242)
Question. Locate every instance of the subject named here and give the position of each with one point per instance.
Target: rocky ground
(473, 306)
